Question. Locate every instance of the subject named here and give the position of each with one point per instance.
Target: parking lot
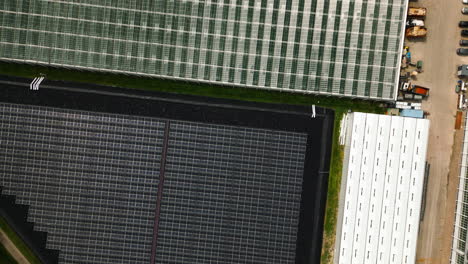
(438, 53)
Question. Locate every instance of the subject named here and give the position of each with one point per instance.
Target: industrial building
(381, 191)
(138, 177)
(459, 250)
(342, 48)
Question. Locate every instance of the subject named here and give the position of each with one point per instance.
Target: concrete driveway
(440, 62)
(12, 249)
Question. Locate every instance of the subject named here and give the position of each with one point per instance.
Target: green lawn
(340, 105)
(334, 182)
(5, 257)
(145, 83)
(22, 247)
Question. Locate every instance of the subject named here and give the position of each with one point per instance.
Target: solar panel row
(231, 194)
(90, 189)
(234, 191)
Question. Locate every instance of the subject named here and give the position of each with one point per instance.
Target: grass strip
(161, 85)
(333, 193)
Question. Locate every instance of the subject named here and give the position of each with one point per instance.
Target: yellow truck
(417, 11)
(416, 32)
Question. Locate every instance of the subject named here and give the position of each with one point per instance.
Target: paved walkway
(10, 246)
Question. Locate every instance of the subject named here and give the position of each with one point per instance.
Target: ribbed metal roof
(382, 189)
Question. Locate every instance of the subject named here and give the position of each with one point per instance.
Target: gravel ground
(440, 62)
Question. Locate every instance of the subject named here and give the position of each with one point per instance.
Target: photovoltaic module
(113, 187)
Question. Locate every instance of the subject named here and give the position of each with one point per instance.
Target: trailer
(415, 22)
(461, 86)
(417, 11)
(404, 86)
(462, 71)
(414, 113)
(458, 120)
(410, 96)
(419, 90)
(416, 32)
(462, 102)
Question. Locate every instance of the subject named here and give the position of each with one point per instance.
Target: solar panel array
(230, 195)
(346, 48)
(89, 179)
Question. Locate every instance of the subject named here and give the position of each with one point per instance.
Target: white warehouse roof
(381, 189)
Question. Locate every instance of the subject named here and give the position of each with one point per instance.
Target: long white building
(381, 189)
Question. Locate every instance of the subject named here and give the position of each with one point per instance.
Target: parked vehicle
(465, 1)
(463, 52)
(420, 90)
(463, 24)
(464, 33)
(410, 96)
(462, 101)
(462, 71)
(458, 120)
(404, 86)
(417, 11)
(464, 42)
(415, 22)
(461, 85)
(416, 32)
(465, 10)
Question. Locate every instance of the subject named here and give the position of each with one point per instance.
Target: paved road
(10, 247)
(440, 61)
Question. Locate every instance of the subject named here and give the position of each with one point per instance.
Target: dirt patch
(440, 62)
(452, 192)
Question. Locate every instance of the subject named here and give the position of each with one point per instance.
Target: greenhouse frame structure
(343, 48)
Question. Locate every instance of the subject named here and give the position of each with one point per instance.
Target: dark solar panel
(89, 179)
(230, 194)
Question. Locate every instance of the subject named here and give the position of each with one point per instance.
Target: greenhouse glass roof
(345, 48)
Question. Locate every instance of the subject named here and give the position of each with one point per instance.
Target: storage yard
(437, 51)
